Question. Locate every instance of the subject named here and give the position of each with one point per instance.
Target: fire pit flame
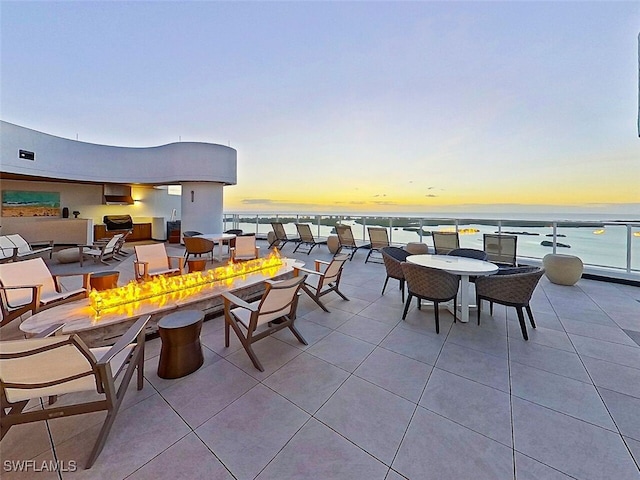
(161, 286)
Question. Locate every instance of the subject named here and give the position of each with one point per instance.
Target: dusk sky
(349, 106)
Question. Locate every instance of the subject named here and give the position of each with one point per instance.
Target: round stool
(333, 244)
(104, 280)
(197, 264)
(181, 352)
(562, 269)
(68, 255)
(417, 248)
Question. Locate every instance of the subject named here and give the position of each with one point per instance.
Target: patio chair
(320, 282)
(281, 238)
(379, 238)
(346, 240)
(501, 249)
(8, 254)
(307, 239)
(254, 321)
(468, 253)
(152, 260)
(433, 284)
(232, 231)
(64, 365)
(512, 288)
(444, 242)
(29, 286)
(245, 248)
(25, 249)
(100, 252)
(118, 249)
(393, 258)
(198, 246)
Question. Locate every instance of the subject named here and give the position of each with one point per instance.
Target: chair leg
(314, 298)
(252, 356)
(491, 308)
(523, 326)
(530, 313)
(368, 255)
(297, 334)
(419, 303)
(406, 306)
(340, 293)
(479, 305)
(402, 289)
(385, 286)
(226, 334)
(436, 311)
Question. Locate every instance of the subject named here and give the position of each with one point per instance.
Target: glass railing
(607, 246)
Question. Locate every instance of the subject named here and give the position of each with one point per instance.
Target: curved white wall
(65, 159)
(202, 167)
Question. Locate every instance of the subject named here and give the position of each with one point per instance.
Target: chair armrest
(125, 340)
(11, 258)
(230, 297)
(42, 242)
(16, 287)
(305, 270)
(50, 330)
(320, 262)
(85, 279)
(145, 269)
(180, 261)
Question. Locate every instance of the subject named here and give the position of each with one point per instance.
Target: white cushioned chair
(324, 279)
(30, 286)
(63, 365)
(25, 249)
(152, 260)
(245, 248)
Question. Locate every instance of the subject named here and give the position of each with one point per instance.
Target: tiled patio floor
(374, 397)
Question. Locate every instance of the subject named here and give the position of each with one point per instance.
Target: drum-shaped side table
(104, 280)
(181, 352)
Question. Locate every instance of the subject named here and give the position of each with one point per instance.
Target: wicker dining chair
(512, 288)
(432, 284)
(393, 258)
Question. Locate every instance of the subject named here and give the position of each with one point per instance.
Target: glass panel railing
(613, 245)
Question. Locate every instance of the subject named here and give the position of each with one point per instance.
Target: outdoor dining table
(463, 267)
(218, 238)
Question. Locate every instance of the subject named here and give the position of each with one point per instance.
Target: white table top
(455, 265)
(216, 237)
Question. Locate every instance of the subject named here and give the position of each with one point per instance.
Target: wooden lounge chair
(281, 237)
(25, 249)
(64, 365)
(307, 239)
(444, 242)
(152, 260)
(254, 321)
(324, 279)
(100, 252)
(245, 248)
(346, 240)
(29, 286)
(379, 238)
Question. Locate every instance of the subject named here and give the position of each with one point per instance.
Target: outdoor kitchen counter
(79, 317)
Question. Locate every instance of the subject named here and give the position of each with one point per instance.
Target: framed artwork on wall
(18, 203)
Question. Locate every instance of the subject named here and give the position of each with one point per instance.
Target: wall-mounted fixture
(27, 155)
(117, 194)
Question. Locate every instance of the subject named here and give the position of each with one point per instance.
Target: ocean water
(598, 243)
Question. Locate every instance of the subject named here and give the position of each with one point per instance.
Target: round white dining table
(463, 267)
